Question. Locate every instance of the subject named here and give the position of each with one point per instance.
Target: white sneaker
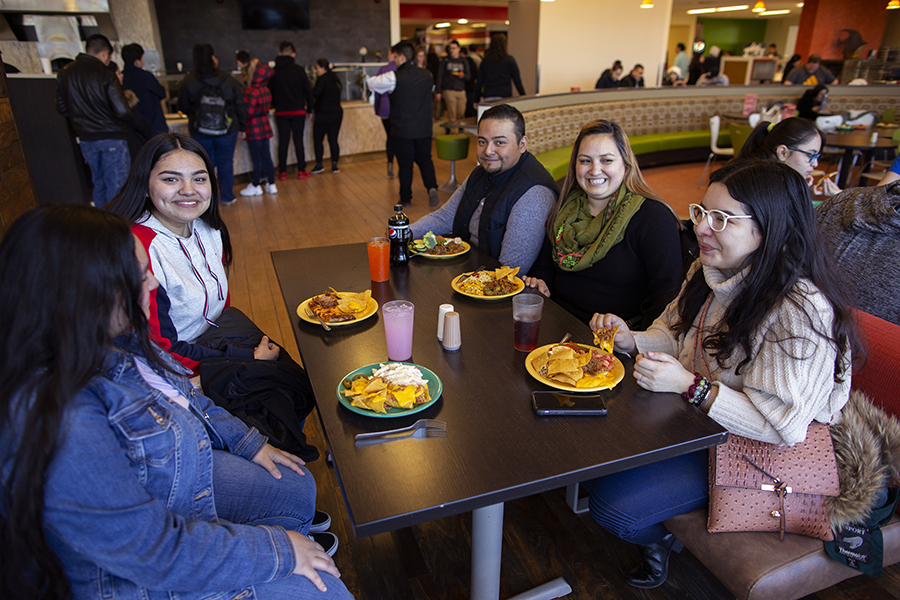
(252, 190)
(271, 189)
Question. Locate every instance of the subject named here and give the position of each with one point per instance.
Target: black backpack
(211, 118)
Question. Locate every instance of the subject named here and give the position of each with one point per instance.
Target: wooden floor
(543, 539)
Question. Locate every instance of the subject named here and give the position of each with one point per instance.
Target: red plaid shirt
(258, 99)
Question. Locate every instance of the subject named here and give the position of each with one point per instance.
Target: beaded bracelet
(699, 390)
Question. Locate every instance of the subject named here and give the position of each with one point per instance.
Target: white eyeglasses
(716, 219)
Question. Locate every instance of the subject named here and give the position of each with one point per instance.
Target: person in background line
(410, 89)
(761, 338)
(477, 58)
(452, 77)
(470, 84)
(91, 97)
(214, 103)
(795, 142)
(329, 114)
(258, 100)
(138, 130)
(682, 60)
(634, 79)
(292, 101)
(115, 473)
(810, 104)
(772, 51)
(149, 91)
(502, 205)
(383, 110)
(812, 73)
(609, 79)
(862, 228)
(711, 63)
(421, 57)
(610, 242)
(498, 72)
(673, 77)
(790, 65)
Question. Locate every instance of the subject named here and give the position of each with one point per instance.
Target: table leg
(487, 548)
(845, 168)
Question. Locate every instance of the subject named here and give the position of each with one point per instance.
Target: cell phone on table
(548, 404)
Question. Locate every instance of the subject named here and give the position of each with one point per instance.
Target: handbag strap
(781, 489)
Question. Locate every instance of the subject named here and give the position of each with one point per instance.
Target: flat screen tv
(275, 14)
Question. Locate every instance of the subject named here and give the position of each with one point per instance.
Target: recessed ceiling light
(770, 13)
(732, 8)
(441, 25)
(463, 21)
(507, 22)
(478, 25)
(701, 11)
(800, 5)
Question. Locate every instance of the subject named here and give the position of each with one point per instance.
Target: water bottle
(398, 230)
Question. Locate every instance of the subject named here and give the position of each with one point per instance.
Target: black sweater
(636, 279)
(289, 86)
(495, 78)
(327, 93)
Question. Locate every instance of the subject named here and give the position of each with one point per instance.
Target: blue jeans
(109, 162)
(246, 493)
(633, 504)
(261, 156)
(220, 150)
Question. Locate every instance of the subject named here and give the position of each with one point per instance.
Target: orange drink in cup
(379, 258)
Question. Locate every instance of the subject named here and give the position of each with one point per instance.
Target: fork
(424, 432)
(421, 424)
(312, 313)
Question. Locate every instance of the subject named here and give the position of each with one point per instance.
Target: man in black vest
(410, 93)
(502, 206)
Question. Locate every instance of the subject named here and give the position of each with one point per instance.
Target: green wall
(731, 35)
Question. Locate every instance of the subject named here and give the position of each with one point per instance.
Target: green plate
(435, 387)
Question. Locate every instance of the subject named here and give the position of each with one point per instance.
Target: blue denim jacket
(129, 501)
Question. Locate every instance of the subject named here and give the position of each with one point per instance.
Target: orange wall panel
(821, 23)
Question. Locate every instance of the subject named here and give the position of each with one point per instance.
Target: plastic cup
(379, 249)
(527, 310)
(398, 328)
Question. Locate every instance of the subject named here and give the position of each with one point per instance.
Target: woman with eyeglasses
(760, 338)
(796, 142)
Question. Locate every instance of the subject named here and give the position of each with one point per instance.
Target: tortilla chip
(561, 352)
(562, 378)
(604, 338)
(374, 385)
(563, 366)
(405, 397)
(583, 358)
(540, 360)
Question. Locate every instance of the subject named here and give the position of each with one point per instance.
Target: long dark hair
(765, 138)
(792, 249)
(497, 49)
(56, 306)
(204, 65)
(634, 179)
(133, 201)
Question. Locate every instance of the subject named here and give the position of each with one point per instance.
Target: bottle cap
(452, 339)
(443, 309)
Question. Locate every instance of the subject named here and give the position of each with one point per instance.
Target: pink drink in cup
(398, 328)
(527, 310)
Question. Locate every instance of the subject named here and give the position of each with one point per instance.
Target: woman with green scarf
(612, 243)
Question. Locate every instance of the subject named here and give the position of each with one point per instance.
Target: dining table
(855, 141)
(496, 448)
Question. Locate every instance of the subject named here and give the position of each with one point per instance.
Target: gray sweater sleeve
(440, 222)
(525, 229)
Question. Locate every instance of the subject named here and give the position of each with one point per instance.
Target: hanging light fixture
(649, 3)
(760, 6)
(893, 4)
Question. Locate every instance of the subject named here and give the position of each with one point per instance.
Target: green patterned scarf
(581, 238)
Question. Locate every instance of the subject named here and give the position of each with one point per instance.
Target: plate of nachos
(575, 367)
(489, 284)
(389, 390)
(339, 308)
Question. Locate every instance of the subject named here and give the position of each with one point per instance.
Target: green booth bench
(665, 125)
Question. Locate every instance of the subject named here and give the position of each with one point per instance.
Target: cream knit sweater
(789, 384)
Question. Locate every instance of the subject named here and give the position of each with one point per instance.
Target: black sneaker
(327, 540)
(334, 169)
(318, 169)
(321, 522)
(433, 199)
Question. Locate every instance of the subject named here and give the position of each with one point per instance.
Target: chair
(754, 119)
(739, 135)
(714, 125)
(830, 123)
(452, 147)
(888, 116)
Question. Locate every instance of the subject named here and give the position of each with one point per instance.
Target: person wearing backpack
(214, 103)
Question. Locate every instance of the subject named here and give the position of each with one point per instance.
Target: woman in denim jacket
(118, 480)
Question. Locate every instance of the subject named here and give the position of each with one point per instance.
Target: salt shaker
(443, 309)
(452, 340)
(874, 138)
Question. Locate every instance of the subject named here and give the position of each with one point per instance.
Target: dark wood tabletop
(852, 141)
(496, 449)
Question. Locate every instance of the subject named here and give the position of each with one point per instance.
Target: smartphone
(548, 404)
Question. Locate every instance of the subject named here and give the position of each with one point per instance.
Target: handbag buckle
(775, 488)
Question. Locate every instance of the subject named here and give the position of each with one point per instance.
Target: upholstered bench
(759, 566)
(652, 149)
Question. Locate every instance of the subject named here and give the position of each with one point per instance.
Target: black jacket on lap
(89, 94)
